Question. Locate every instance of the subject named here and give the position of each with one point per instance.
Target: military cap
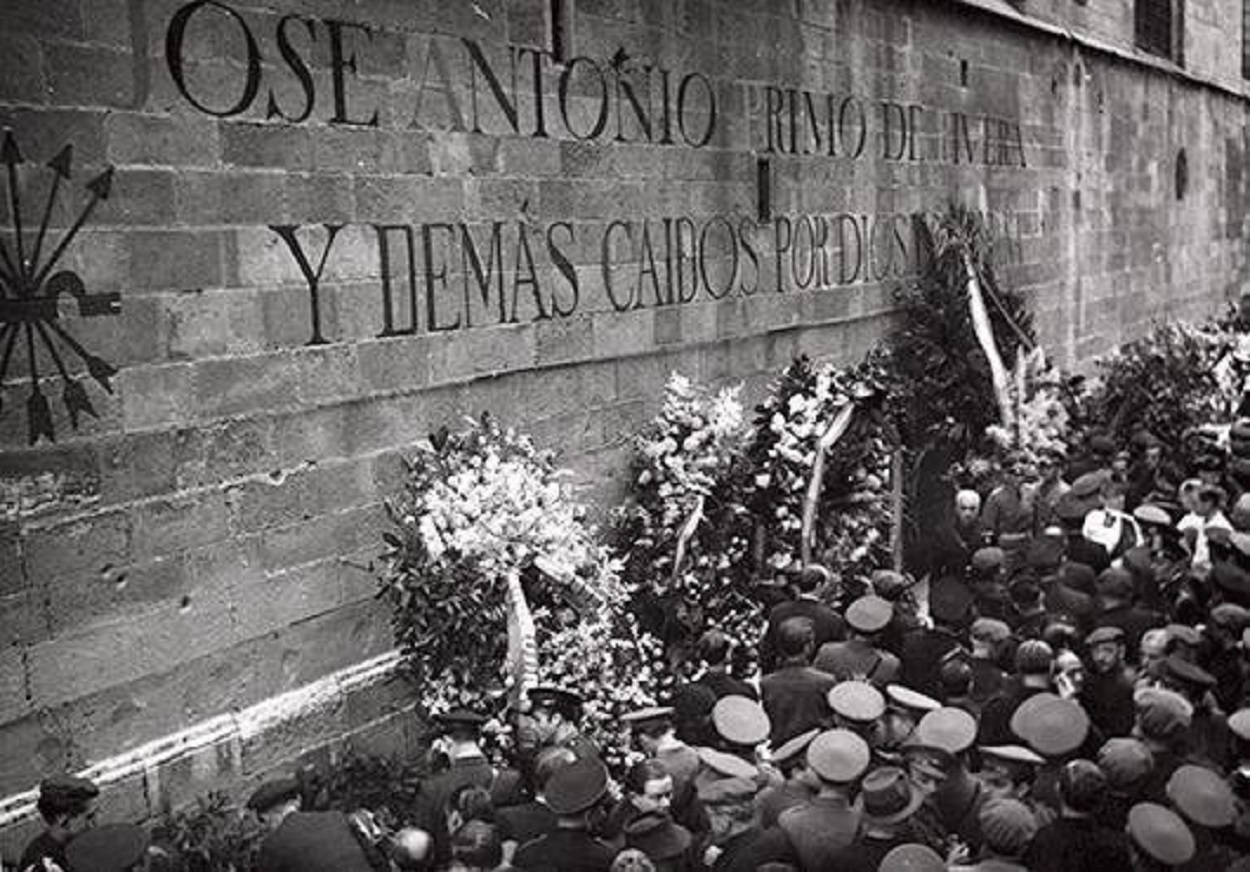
(1231, 577)
(576, 787)
(1148, 513)
(1162, 714)
(65, 790)
(1191, 675)
(949, 729)
(1052, 726)
(727, 764)
(273, 792)
(1125, 761)
(985, 559)
(1008, 826)
(869, 614)
(1160, 834)
(460, 718)
(990, 630)
(1016, 755)
(949, 600)
(912, 858)
(1230, 615)
(912, 700)
(838, 756)
(558, 698)
(107, 848)
(649, 715)
(856, 701)
(1239, 724)
(657, 836)
(1105, 634)
(795, 746)
(1202, 796)
(740, 720)
(1088, 485)
(1034, 656)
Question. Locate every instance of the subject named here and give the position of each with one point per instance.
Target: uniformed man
(67, 805)
(573, 792)
(1207, 803)
(654, 734)
(827, 823)
(799, 785)
(937, 756)
(861, 656)
(858, 706)
(1159, 838)
(730, 777)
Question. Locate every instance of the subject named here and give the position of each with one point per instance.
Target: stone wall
(391, 231)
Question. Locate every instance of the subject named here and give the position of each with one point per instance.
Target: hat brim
(913, 803)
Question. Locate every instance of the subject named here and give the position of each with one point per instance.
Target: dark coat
(319, 841)
(827, 626)
(565, 851)
(795, 699)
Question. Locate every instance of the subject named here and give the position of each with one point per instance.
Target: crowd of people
(1060, 686)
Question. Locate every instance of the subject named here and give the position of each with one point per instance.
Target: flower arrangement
(684, 531)
(485, 518)
(852, 524)
(1040, 417)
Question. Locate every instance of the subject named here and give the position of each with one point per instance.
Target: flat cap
(1202, 796)
(912, 700)
(1050, 725)
(64, 789)
(869, 614)
(740, 720)
(1125, 761)
(990, 630)
(107, 848)
(1162, 714)
(794, 747)
(950, 729)
(1008, 826)
(912, 858)
(1013, 754)
(1160, 834)
(1088, 484)
(856, 701)
(651, 714)
(1239, 724)
(576, 787)
(1150, 514)
(272, 792)
(888, 584)
(838, 756)
(1105, 634)
(985, 559)
(1183, 672)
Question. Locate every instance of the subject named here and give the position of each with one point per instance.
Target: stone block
(89, 76)
(43, 132)
(400, 363)
(181, 141)
(172, 524)
(176, 259)
(213, 454)
(241, 385)
(266, 145)
(21, 69)
(157, 396)
(139, 198)
(93, 542)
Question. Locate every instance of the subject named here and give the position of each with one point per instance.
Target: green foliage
(943, 380)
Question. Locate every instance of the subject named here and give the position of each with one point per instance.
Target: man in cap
(828, 822)
(666, 844)
(67, 805)
(714, 651)
(1115, 600)
(1008, 827)
(937, 762)
(551, 716)
(827, 625)
(1126, 763)
(1029, 616)
(1056, 728)
(1072, 592)
(1033, 663)
(889, 803)
(858, 706)
(1225, 659)
(1208, 805)
(1077, 841)
(522, 822)
(861, 656)
(950, 607)
(988, 636)
(1208, 727)
(1159, 838)
(1007, 518)
(654, 735)
(1049, 488)
(729, 778)
(274, 800)
(1108, 692)
(904, 709)
(108, 848)
(1144, 472)
(572, 793)
(799, 785)
(1009, 772)
(467, 766)
(794, 695)
(1072, 510)
(1163, 720)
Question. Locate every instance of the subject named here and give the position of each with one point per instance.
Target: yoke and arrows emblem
(29, 294)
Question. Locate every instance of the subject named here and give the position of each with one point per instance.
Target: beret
(1151, 514)
(1008, 826)
(988, 558)
(1125, 761)
(868, 614)
(577, 786)
(990, 630)
(107, 848)
(856, 701)
(912, 858)
(838, 756)
(273, 792)
(795, 746)
(1013, 754)
(1160, 833)
(910, 699)
(949, 729)
(64, 789)
(1105, 634)
(1050, 725)
(740, 720)
(1180, 670)
(1202, 796)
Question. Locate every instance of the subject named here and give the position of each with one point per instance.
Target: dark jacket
(827, 625)
(1079, 845)
(795, 699)
(319, 841)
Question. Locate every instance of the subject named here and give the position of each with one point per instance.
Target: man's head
(967, 507)
(67, 805)
(1081, 786)
(796, 638)
(649, 726)
(650, 787)
(1106, 649)
(1153, 650)
(714, 648)
(1209, 500)
(1008, 771)
(274, 800)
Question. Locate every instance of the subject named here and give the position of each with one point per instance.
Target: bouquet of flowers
(485, 521)
(685, 531)
(1040, 413)
(853, 519)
